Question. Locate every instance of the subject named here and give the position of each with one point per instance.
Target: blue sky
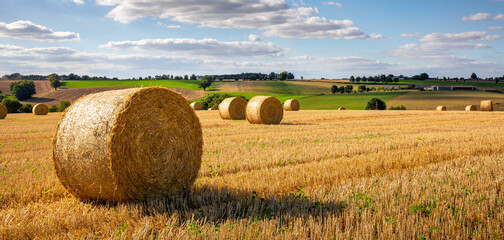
(313, 39)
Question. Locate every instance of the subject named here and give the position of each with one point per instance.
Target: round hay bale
(342, 108)
(486, 105)
(441, 108)
(196, 106)
(40, 109)
(291, 105)
(130, 144)
(470, 108)
(233, 108)
(3, 111)
(264, 110)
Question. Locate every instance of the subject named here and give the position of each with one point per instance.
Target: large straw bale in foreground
(342, 108)
(130, 144)
(441, 108)
(291, 105)
(3, 111)
(40, 109)
(470, 108)
(264, 110)
(196, 106)
(486, 105)
(233, 108)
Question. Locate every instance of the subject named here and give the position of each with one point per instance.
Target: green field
(187, 84)
(355, 101)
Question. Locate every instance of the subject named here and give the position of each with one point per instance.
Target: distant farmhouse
(445, 87)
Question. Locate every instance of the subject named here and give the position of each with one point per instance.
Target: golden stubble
(319, 174)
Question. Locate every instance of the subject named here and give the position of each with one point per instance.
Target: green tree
(376, 104)
(272, 76)
(334, 89)
(63, 105)
(341, 89)
(53, 108)
(283, 75)
(186, 77)
(56, 84)
(348, 88)
(206, 82)
(53, 77)
(352, 79)
(12, 104)
(362, 88)
(193, 77)
(25, 108)
(22, 89)
(424, 76)
(55, 80)
(474, 76)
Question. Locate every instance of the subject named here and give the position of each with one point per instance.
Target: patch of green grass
(353, 101)
(187, 84)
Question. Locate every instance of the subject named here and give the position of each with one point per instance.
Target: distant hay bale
(470, 108)
(342, 108)
(233, 108)
(40, 109)
(130, 144)
(291, 105)
(486, 105)
(441, 108)
(3, 111)
(264, 110)
(196, 106)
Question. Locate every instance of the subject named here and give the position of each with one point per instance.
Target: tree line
(257, 76)
(376, 79)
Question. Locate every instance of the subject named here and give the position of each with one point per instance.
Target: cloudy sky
(313, 39)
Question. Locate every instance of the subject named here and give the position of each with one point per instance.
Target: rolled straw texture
(291, 105)
(130, 144)
(441, 108)
(233, 108)
(342, 108)
(470, 108)
(40, 109)
(264, 110)
(486, 105)
(3, 111)
(196, 106)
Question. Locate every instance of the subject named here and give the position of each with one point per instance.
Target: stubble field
(318, 175)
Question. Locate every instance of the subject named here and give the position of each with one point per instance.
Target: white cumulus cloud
(30, 31)
(499, 17)
(337, 4)
(274, 17)
(477, 17)
(254, 38)
(203, 47)
(459, 37)
(79, 2)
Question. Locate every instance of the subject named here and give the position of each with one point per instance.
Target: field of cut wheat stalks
(317, 175)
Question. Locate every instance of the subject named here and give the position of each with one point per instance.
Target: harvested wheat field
(317, 175)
